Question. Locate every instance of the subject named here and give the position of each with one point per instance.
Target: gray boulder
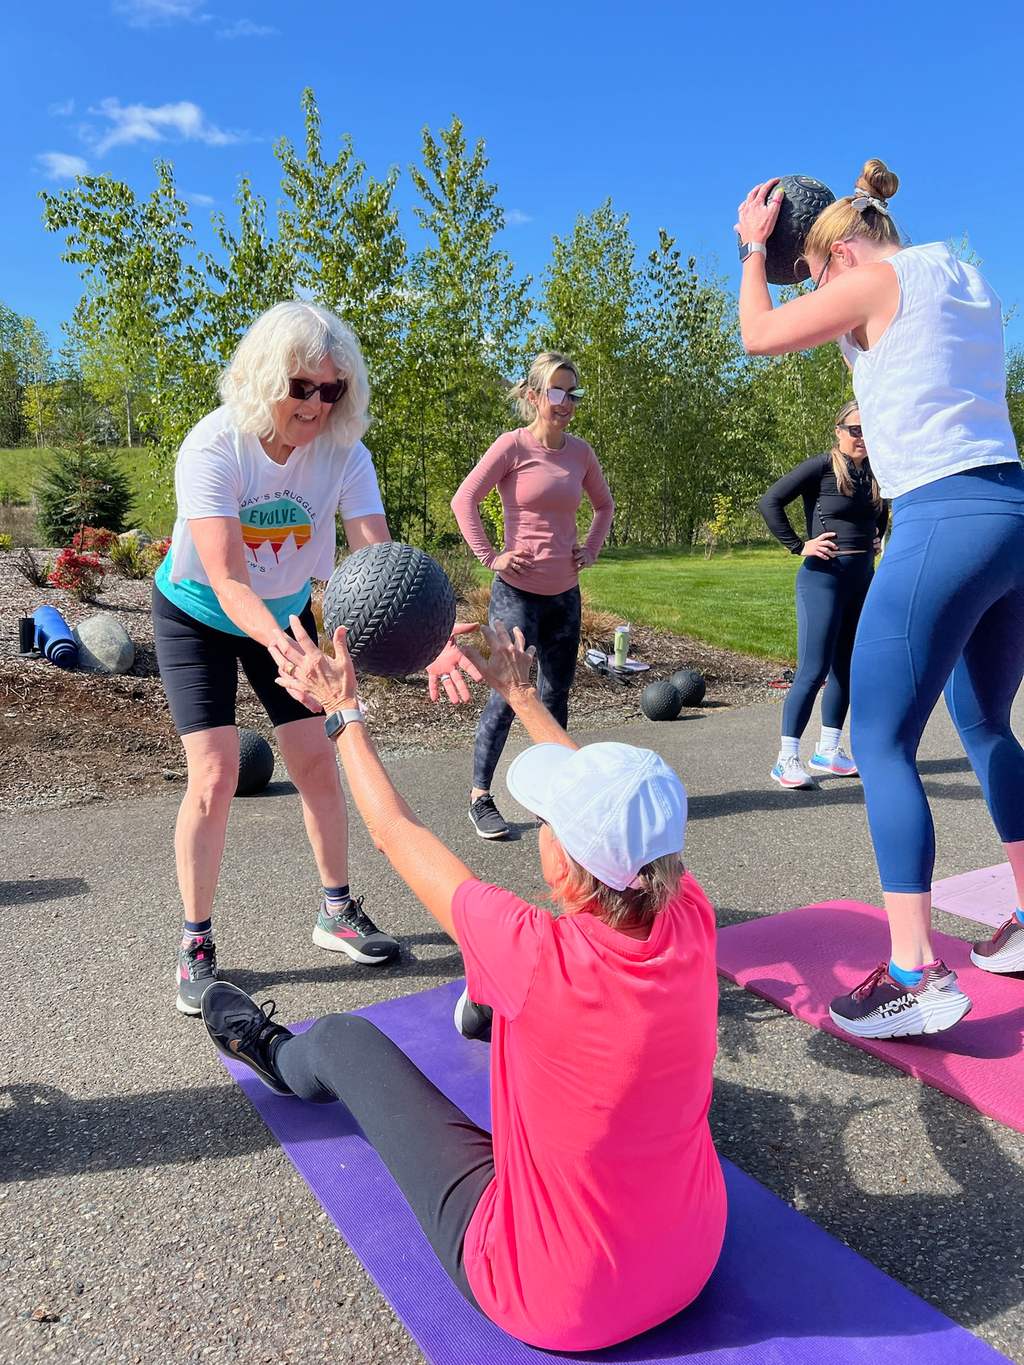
(139, 537)
(104, 646)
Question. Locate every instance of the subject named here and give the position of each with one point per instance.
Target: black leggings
(829, 596)
(553, 625)
(440, 1160)
(199, 670)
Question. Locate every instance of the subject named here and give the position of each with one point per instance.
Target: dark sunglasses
(856, 430)
(329, 393)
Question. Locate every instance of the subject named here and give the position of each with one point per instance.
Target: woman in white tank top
(923, 335)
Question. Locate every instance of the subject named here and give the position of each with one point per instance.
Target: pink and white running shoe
(835, 762)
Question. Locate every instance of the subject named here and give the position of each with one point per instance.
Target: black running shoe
(352, 931)
(197, 970)
(486, 819)
(881, 1007)
(472, 1020)
(245, 1031)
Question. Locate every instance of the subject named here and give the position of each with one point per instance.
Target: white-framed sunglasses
(556, 396)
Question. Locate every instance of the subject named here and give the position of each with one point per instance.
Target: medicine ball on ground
(397, 604)
(690, 685)
(255, 763)
(803, 201)
(660, 701)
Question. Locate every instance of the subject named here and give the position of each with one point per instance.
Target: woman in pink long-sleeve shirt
(541, 474)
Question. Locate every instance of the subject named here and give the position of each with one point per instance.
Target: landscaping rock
(139, 537)
(104, 646)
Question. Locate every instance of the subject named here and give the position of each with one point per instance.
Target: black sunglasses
(329, 393)
(856, 430)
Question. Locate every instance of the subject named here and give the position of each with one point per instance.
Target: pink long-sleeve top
(540, 493)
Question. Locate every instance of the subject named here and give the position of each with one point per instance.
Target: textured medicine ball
(660, 701)
(804, 200)
(397, 604)
(690, 685)
(255, 763)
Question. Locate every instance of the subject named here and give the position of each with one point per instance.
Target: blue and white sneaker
(791, 774)
(836, 762)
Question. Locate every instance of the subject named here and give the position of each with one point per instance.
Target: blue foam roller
(54, 638)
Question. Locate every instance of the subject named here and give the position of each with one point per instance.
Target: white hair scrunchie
(862, 200)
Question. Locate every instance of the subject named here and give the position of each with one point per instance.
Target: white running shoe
(834, 761)
(791, 773)
(1004, 951)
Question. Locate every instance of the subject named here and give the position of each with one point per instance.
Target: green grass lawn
(152, 482)
(740, 599)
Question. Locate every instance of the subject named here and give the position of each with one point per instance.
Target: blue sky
(672, 109)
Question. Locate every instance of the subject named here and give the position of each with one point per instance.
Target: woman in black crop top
(845, 518)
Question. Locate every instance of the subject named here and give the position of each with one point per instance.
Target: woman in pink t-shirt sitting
(597, 1209)
(541, 474)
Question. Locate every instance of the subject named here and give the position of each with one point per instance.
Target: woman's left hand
(331, 683)
(878, 545)
(759, 212)
(451, 667)
(582, 558)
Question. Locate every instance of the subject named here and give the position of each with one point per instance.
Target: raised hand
(452, 666)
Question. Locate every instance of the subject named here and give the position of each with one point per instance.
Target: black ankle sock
(202, 928)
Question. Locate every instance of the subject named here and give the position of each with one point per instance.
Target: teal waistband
(199, 601)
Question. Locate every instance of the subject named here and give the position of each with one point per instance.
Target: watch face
(334, 723)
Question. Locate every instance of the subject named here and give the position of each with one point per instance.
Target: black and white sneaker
(881, 1007)
(245, 1031)
(352, 931)
(197, 970)
(486, 819)
(472, 1020)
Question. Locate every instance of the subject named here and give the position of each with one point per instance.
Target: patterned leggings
(553, 625)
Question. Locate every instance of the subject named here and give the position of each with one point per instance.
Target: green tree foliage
(81, 486)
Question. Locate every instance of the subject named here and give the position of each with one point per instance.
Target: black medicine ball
(398, 605)
(690, 685)
(660, 701)
(255, 763)
(804, 200)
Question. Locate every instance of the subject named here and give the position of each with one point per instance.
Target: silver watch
(752, 249)
(335, 723)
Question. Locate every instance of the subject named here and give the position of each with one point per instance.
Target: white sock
(830, 740)
(789, 747)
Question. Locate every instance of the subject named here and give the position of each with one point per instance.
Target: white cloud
(131, 123)
(200, 201)
(516, 218)
(62, 109)
(61, 165)
(245, 28)
(153, 13)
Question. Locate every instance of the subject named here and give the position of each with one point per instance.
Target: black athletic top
(854, 519)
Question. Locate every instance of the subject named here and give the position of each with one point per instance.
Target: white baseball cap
(613, 807)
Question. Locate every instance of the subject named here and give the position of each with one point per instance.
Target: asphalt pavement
(149, 1217)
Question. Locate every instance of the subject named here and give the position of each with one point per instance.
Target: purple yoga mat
(784, 1292)
(987, 895)
(801, 959)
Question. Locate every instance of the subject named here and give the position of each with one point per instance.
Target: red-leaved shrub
(94, 539)
(78, 574)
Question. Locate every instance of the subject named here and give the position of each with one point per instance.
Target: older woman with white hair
(258, 485)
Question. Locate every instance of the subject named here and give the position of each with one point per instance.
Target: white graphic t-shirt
(286, 513)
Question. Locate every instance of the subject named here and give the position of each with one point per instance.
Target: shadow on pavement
(42, 889)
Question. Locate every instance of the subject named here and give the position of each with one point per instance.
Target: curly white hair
(286, 340)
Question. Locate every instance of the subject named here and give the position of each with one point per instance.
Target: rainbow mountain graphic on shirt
(279, 529)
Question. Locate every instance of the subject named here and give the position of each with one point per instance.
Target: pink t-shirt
(607, 1211)
(540, 493)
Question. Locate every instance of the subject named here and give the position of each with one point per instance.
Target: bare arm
(363, 531)
(221, 551)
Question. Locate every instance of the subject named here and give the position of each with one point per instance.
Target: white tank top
(932, 390)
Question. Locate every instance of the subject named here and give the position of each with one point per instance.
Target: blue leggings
(945, 610)
(829, 597)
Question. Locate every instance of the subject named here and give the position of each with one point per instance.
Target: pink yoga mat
(802, 959)
(987, 895)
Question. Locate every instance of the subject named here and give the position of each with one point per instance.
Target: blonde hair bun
(877, 179)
